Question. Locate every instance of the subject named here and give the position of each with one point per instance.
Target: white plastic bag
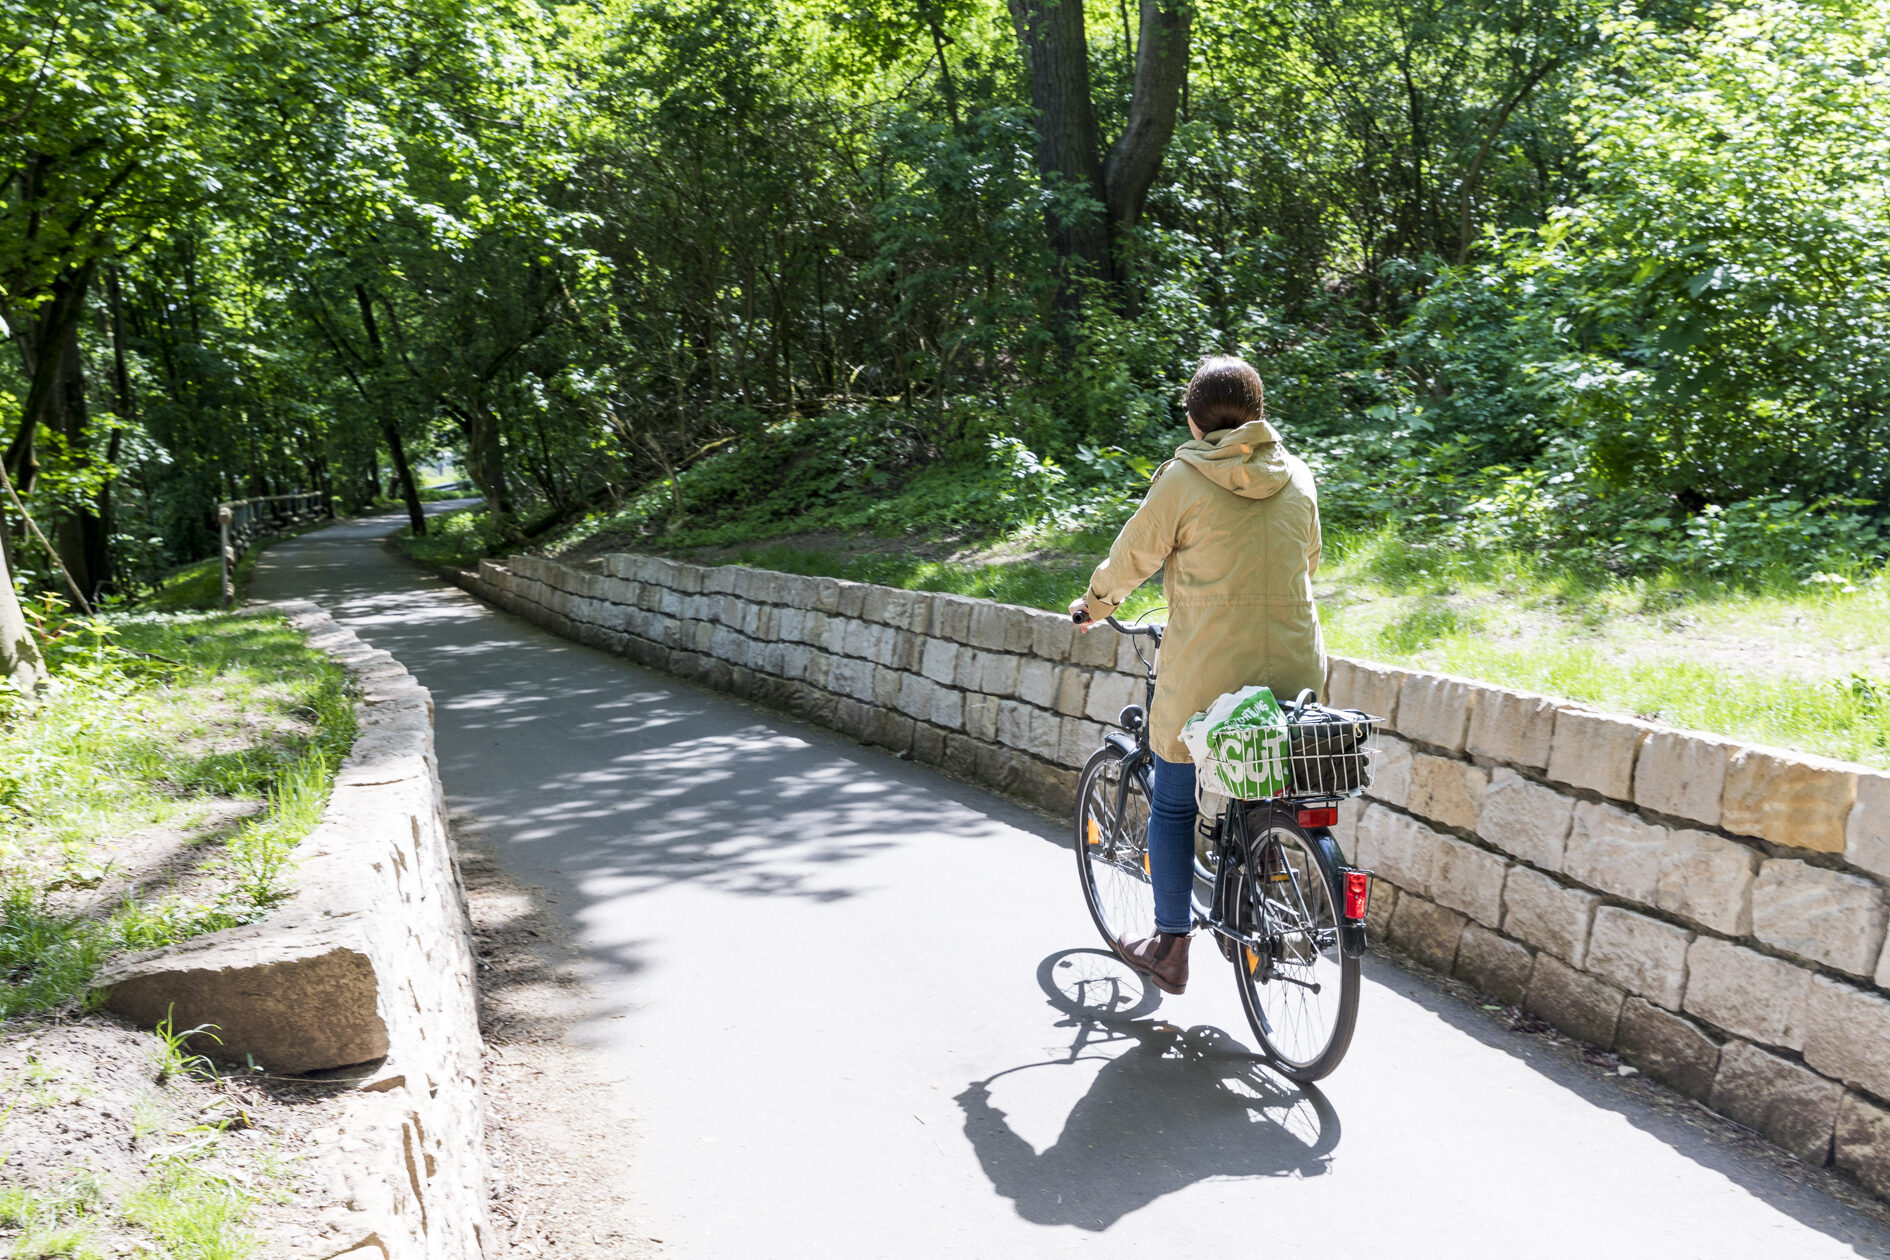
(1239, 745)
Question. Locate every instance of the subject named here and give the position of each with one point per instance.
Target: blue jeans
(1171, 845)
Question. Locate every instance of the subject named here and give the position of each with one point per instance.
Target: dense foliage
(1555, 274)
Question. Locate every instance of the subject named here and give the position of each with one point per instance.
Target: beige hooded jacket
(1236, 521)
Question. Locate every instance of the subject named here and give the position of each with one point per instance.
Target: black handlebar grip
(1079, 616)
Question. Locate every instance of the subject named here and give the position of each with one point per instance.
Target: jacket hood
(1250, 460)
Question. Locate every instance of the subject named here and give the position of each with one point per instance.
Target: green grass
(165, 721)
(194, 1213)
(457, 539)
(182, 1207)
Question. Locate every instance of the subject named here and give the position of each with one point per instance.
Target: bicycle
(1271, 883)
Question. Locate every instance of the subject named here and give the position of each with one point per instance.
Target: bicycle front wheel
(1112, 812)
(1297, 986)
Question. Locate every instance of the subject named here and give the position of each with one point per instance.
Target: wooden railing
(243, 521)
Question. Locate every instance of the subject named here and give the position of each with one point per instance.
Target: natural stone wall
(369, 967)
(1713, 912)
(1013, 698)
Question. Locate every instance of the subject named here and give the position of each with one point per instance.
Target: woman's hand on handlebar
(1079, 613)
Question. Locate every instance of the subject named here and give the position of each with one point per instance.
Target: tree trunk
(20, 662)
(41, 351)
(1069, 159)
(81, 534)
(1068, 146)
(1161, 70)
(416, 514)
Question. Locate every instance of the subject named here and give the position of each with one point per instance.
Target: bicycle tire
(1304, 1031)
(1114, 872)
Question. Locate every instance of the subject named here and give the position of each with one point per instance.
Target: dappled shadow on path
(1173, 1108)
(589, 768)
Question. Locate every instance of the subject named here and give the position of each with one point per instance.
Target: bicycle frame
(1232, 844)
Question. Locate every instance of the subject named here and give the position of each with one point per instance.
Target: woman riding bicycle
(1233, 519)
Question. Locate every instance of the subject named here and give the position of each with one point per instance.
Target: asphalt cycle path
(858, 1008)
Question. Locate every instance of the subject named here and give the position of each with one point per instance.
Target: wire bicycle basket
(1326, 753)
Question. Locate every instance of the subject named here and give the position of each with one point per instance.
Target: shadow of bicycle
(1168, 1108)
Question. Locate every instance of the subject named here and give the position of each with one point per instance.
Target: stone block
(1094, 649)
(1447, 791)
(1847, 1034)
(1080, 740)
(998, 674)
(1466, 878)
(1611, 849)
(989, 626)
(851, 678)
(1365, 685)
(928, 744)
(1596, 751)
(852, 600)
(1829, 917)
(981, 716)
(1867, 834)
(1667, 1047)
(948, 708)
(1746, 992)
(1511, 726)
(938, 660)
(1682, 773)
(1380, 905)
(1345, 830)
(1426, 931)
(961, 756)
(1493, 964)
(1863, 1143)
(900, 649)
(1037, 681)
(1072, 693)
(1391, 772)
(1109, 694)
(1708, 879)
(1526, 819)
(1397, 848)
(1639, 954)
(1435, 709)
(292, 1005)
(1047, 787)
(1547, 914)
(1577, 1003)
(887, 684)
(1789, 799)
(1053, 637)
(1790, 1104)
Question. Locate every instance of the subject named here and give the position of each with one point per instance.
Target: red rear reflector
(1358, 890)
(1328, 817)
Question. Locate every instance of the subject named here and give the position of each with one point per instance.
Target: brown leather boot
(1162, 957)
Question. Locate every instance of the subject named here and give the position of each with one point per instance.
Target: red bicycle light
(1328, 817)
(1358, 891)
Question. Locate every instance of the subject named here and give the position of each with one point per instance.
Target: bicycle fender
(1122, 743)
(1351, 932)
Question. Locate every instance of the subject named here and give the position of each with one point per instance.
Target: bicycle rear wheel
(1112, 859)
(1300, 991)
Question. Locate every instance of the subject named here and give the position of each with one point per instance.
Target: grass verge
(158, 791)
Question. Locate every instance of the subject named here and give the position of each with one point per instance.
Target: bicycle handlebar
(1081, 615)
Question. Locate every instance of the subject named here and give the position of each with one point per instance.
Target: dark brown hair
(1225, 394)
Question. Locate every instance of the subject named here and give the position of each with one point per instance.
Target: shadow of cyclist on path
(1175, 1108)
